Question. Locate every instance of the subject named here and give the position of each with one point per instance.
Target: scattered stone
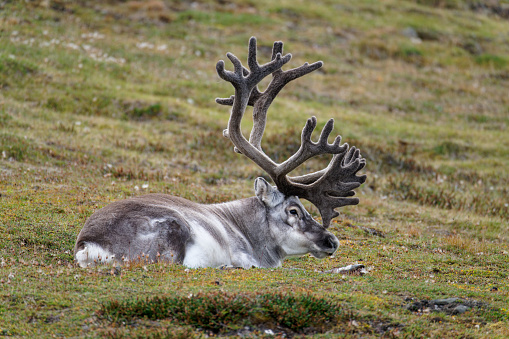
(452, 306)
(460, 309)
(444, 301)
(350, 269)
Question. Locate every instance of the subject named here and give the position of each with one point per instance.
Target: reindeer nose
(333, 242)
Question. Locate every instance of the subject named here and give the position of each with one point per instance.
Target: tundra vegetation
(104, 100)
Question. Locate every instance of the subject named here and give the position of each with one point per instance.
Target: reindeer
(260, 231)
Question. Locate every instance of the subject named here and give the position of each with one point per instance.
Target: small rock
(460, 309)
(444, 301)
(350, 269)
(411, 33)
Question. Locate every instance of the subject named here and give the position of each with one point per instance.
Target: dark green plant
(15, 147)
(144, 112)
(219, 312)
(213, 311)
(492, 60)
(298, 312)
(11, 66)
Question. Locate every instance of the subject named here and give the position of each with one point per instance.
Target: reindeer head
(293, 228)
(327, 189)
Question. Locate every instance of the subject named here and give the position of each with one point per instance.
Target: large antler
(327, 189)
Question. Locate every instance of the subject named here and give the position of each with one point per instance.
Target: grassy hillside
(103, 100)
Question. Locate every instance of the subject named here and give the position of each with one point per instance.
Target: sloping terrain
(103, 100)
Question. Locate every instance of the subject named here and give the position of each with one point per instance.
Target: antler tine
(255, 94)
(225, 101)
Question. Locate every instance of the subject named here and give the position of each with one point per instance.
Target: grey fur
(119, 228)
(256, 231)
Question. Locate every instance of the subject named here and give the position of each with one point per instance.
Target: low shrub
(222, 312)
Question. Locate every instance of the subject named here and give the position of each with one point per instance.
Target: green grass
(100, 99)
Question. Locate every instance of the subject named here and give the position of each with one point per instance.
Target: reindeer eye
(294, 212)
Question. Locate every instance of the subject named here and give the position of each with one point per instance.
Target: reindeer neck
(248, 219)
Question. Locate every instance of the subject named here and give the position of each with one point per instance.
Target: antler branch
(333, 187)
(327, 189)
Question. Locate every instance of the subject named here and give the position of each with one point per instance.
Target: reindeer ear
(267, 194)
